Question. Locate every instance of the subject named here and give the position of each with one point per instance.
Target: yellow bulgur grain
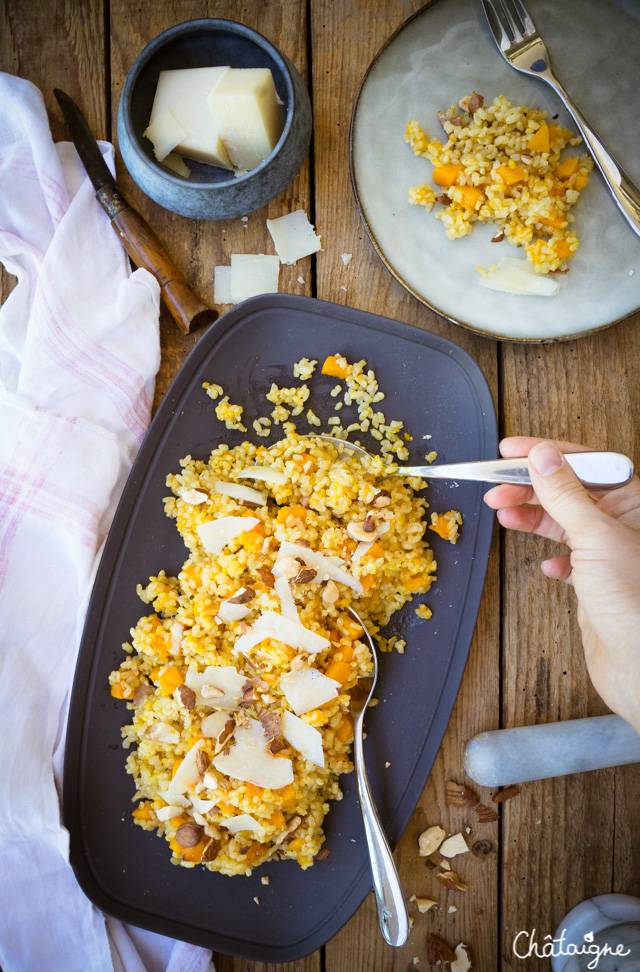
(501, 165)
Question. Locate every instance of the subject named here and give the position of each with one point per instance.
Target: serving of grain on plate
(501, 165)
(239, 680)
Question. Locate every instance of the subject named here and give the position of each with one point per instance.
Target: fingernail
(545, 458)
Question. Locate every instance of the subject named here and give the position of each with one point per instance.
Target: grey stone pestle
(505, 756)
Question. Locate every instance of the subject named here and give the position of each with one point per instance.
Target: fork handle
(620, 185)
(392, 911)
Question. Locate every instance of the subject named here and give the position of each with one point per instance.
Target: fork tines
(517, 19)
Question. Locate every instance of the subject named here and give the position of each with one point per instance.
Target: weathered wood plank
(344, 39)
(564, 839)
(59, 45)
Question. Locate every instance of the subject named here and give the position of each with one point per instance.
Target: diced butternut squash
(118, 690)
(510, 174)
(193, 854)
(563, 249)
(338, 670)
(344, 732)
(253, 539)
(306, 462)
(256, 852)
(368, 582)
(287, 795)
(346, 651)
(539, 141)
(144, 811)
(254, 791)
(567, 168)
(169, 678)
(446, 175)
(175, 767)
(334, 366)
(351, 628)
(179, 820)
(413, 582)
(296, 845)
(375, 551)
(442, 527)
(286, 511)
(580, 180)
(469, 196)
(277, 820)
(556, 221)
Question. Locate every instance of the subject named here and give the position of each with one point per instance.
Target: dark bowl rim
(158, 42)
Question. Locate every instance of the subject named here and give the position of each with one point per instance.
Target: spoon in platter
(596, 470)
(392, 911)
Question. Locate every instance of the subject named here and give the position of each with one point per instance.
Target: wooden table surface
(561, 840)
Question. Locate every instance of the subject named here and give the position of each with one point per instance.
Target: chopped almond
(451, 880)
(438, 952)
(429, 840)
(507, 794)
(462, 961)
(486, 814)
(459, 795)
(453, 846)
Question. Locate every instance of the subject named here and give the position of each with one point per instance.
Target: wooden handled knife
(137, 237)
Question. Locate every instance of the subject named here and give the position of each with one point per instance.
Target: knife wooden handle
(146, 250)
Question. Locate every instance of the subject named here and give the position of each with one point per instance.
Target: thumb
(560, 491)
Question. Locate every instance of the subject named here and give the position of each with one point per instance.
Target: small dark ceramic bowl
(211, 192)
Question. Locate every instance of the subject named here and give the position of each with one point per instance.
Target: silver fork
(523, 48)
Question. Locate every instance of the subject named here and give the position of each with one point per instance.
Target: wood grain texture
(59, 45)
(344, 39)
(587, 390)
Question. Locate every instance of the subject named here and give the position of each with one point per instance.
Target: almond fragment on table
(459, 795)
(486, 814)
(451, 880)
(508, 793)
(454, 845)
(429, 840)
(462, 961)
(438, 952)
(437, 860)
(424, 904)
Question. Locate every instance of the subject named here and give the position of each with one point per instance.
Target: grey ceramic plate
(445, 52)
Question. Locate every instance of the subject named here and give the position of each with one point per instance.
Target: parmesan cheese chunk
(245, 109)
(225, 678)
(325, 565)
(248, 760)
(165, 133)
(293, 236)
(253, 274)
(512, 276)
(216, 534)
(184, 93)
(266, 473)
(242, 822)
(245, 494)
(303, 737)
(307, 689)
(222, 285)
(275, 626)
(176, 163)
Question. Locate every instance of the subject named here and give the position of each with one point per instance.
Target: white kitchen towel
(79, 351)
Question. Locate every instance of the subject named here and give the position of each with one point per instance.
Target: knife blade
(136, 236)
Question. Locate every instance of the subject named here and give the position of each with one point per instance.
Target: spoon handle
(392, 911)
(597, 470)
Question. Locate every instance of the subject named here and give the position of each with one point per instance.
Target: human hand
(602, 528)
